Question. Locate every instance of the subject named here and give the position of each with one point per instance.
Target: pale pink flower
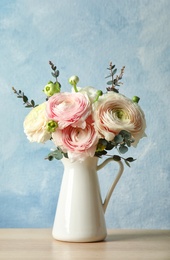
(78, 143)
(35, 125)
(69, 109)
(114, 112)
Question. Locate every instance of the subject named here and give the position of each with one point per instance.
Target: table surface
(38, 244)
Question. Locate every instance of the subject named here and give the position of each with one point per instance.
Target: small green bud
(73, 80)
(135, 99)
(98, 94)
(51, 126)
(51, 88)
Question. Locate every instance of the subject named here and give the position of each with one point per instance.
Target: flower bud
(99, 93)
(51, 88)
(51, 126)
(135, 99)
(73, 80)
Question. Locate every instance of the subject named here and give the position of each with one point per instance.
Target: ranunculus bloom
(90, 91)
(35, 125)
(69, 109)
(77, 142)
(115, 112)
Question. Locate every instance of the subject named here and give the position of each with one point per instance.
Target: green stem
(75, 88)
(99, 93)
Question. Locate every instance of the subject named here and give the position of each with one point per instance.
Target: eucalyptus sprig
(26, 102)
(56, 154)
(114, 79)
(55, 73)
(126, 160)
(121, 142)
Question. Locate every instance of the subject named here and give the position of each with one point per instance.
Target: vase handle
(119, 174)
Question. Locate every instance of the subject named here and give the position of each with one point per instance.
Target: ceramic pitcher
(80, 210)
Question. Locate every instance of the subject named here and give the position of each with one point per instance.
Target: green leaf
(50, 158)
(103, 142)
(100, 153)
(123, 149)
(110, 146)
(110, 82)
(128, 142)
(118, 139)
(115, 70)
(128, 164)
(57, 154)
(130, 159)
(25, 99)
(116, 158)
(28, 106)
(65, 155)
(125, 134)
(57, 73)
(33, 103)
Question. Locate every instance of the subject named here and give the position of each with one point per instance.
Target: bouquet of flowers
(85, 122)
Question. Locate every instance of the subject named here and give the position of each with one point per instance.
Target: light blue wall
(82, 37)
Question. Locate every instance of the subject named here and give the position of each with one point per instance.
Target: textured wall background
(82, 37)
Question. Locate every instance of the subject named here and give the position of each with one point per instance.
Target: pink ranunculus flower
(35, 125)
(114, 112)
(78, 143)
(69, 109)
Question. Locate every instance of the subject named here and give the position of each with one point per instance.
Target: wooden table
(23, 244)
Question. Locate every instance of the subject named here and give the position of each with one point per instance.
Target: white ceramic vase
(80, 210)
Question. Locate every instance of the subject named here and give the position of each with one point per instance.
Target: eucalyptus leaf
(57, 73)
(110, 82)
(123, 149)
(127, 163)
(33, 103)
(125, 134)
(128, 142)
(110, 146)
(28, 106)
(118, 139)
(130, 159)
(115, 70)
(53, 74)
(103, 142)
(116, 158)
(25, 99)
(100, 153)
(57, 154)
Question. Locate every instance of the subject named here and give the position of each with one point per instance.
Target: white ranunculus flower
(115, 112)
(35, 125)
(90, 91)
